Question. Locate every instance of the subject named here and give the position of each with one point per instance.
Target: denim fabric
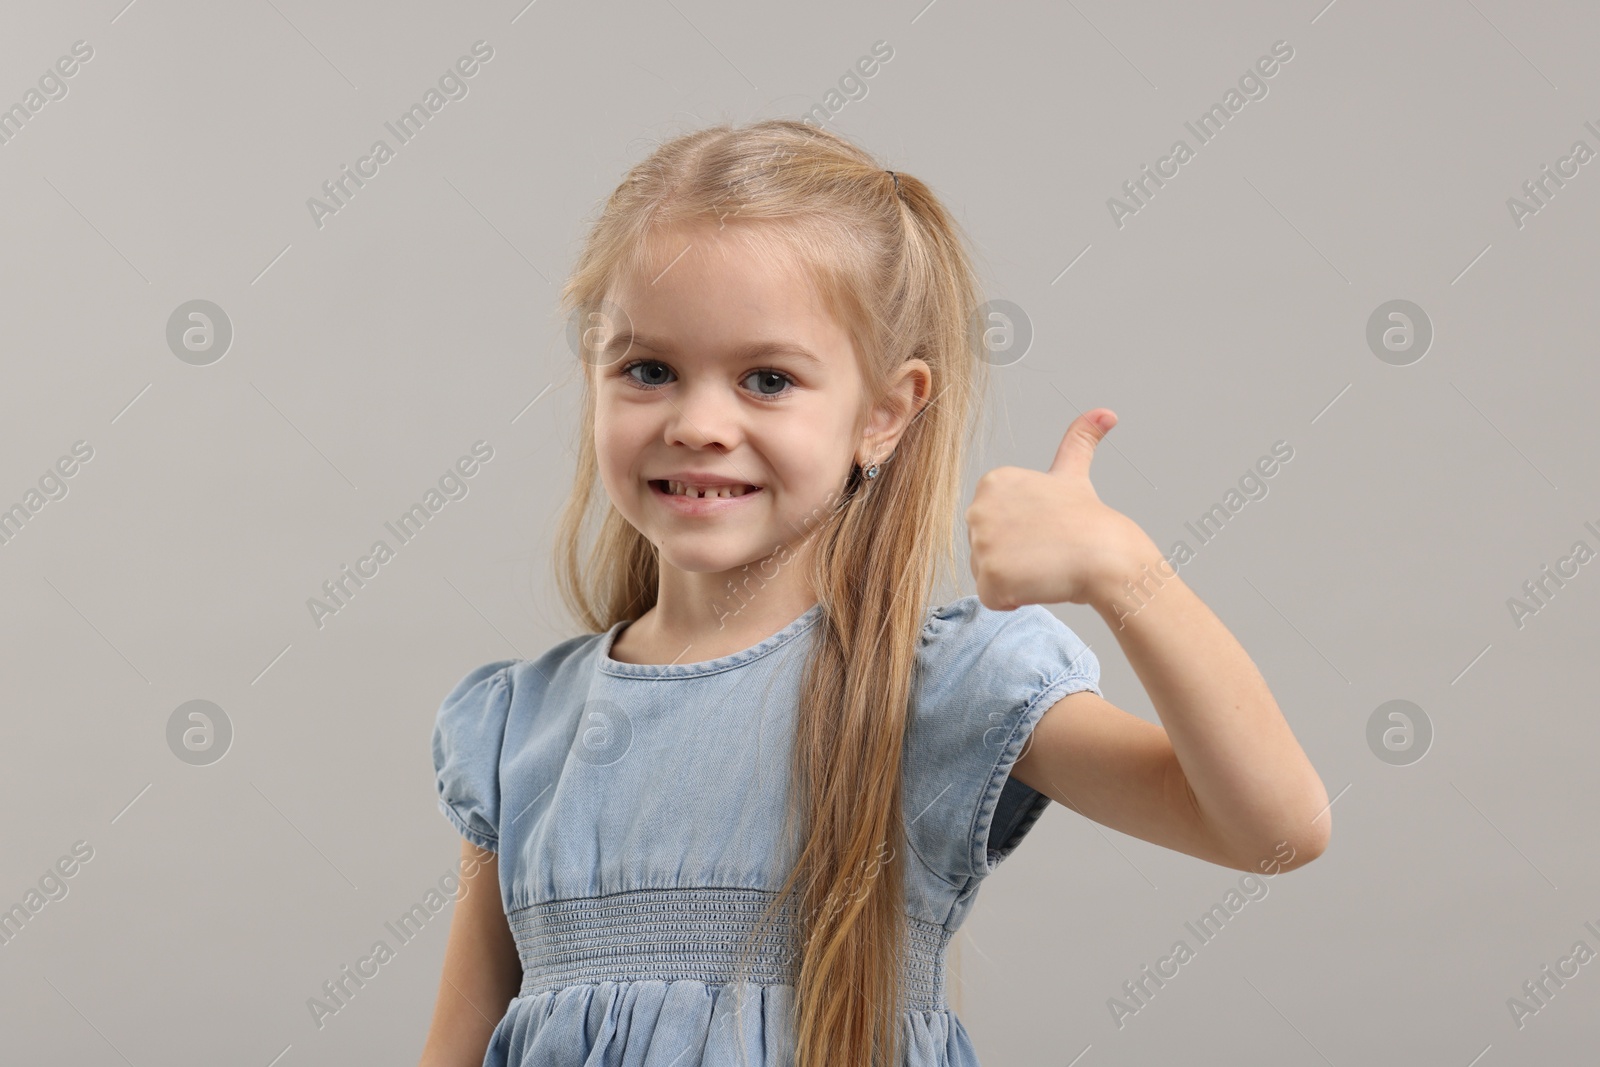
(638, 813)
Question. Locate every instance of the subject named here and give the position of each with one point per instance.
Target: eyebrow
(752, 350)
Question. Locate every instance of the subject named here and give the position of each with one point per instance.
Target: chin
(703, 562)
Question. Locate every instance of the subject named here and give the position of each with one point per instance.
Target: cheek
(824, 445)
(814, 459)
(617, 439)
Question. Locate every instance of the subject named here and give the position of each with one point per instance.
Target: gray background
(369, 354)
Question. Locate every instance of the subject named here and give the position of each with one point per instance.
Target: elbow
(1293, 828)
(1311, 845)
(1289, 846)
(1305, 836)
(1300, 845)
(1286, 853)
(1322, 832)
(1318, 829)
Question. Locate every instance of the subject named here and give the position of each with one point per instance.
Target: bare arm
(1246, 776)
(482, 971)
(1225, 779)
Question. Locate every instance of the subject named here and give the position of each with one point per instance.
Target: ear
(905, 399)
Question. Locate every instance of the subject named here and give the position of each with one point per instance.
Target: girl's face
(724, 367)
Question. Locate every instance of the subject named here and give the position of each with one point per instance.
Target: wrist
(1135, 583)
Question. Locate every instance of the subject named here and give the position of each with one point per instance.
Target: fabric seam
(689, 670)
(483, 841)
(978, 858)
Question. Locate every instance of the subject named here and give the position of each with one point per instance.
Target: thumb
(1078, 444)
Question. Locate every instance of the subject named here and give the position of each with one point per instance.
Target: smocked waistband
(698, 934)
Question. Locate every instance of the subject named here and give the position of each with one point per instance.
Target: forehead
(717, 290)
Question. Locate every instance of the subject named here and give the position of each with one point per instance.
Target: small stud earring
(872, 471)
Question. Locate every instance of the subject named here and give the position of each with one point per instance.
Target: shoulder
(984, 679)
(485, 714)
(480, 681)
(490, 689)
(967, 643)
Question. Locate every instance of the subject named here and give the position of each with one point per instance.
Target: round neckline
(711, 666)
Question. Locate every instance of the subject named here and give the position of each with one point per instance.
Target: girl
(739, 819)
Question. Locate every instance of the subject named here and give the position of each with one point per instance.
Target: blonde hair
(891, 264)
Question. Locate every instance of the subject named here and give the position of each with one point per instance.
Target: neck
(714, 613)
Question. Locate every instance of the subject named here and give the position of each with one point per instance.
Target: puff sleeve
(984, 679)
(467, 737)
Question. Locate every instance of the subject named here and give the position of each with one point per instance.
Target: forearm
(1251, 782)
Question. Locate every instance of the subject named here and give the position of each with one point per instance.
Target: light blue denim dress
(638, 815)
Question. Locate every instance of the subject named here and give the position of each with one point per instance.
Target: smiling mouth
(705, 492)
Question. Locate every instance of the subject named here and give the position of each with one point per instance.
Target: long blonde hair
(891, 264)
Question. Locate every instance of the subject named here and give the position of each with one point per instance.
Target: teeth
(680, 489)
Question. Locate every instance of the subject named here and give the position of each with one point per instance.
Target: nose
(704, 415)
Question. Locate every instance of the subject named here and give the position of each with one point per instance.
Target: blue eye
(656, 367)
(628, 370)
(769, 375)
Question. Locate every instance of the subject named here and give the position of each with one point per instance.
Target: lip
(686, 505)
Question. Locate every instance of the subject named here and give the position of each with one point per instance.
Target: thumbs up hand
(1044, 537)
